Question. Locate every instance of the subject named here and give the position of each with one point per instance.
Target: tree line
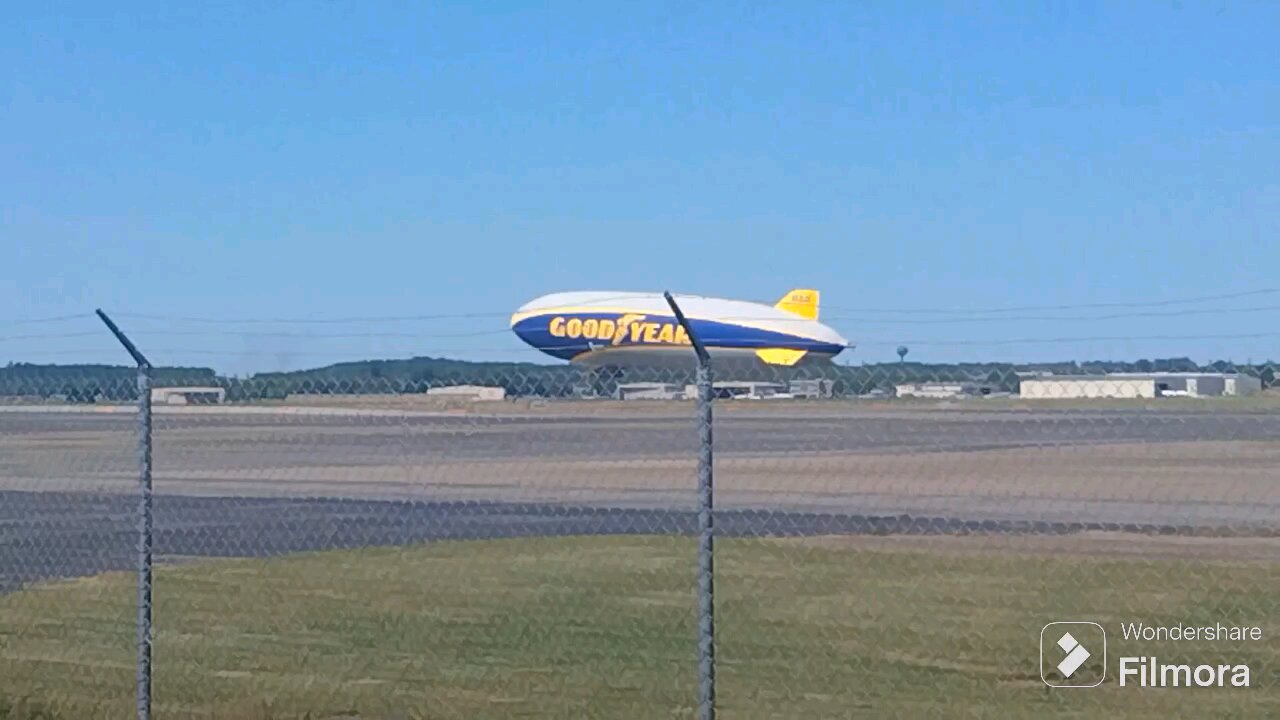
(109, 383)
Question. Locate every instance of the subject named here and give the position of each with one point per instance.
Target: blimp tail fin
(800, 302)
(780, 356)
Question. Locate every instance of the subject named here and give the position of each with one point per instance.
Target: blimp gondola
(607, 328)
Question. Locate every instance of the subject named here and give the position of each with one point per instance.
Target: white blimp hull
(596, 328)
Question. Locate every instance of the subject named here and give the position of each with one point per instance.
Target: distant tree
(998, 379)
(1267, 375)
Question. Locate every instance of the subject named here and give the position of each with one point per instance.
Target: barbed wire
(741, 318)
(316, 336)
(372, 318)
(427, 336)
(434, 352)
(309, 321)
(954, 315)
(427, 349)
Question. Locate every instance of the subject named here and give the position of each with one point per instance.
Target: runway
(649, 433)
(61, 535)
(268, 482)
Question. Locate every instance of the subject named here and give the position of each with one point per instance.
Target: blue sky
(331, 160)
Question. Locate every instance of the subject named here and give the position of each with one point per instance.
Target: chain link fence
(413, 539)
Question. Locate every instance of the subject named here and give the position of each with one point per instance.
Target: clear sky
(329, 160)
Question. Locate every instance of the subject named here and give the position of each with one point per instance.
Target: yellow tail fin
(800, 302)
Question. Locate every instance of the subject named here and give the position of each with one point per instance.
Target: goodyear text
(630, 329)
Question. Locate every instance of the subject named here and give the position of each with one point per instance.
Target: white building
(943, 390)
(650, 391)
(187, 395)
(815, 388)
(745, 389)
(1242, 385)
(1087, 386)
(468, 392)
(1140, 385)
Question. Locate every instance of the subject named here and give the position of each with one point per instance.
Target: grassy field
(605, 627)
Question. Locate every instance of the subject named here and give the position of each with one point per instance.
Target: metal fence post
(145, 524)
(706, 527)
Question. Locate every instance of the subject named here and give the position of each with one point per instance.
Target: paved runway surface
(235, 484)
(58, 535)
(644, 434)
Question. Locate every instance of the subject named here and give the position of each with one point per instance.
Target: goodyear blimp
(599, 328)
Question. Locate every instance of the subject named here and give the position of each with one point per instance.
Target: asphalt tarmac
(47, 535)
(259, 484)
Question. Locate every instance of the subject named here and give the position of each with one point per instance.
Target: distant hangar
(1139, 385)
(188, 395)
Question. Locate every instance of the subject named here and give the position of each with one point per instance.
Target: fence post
(706, 527)
(145, 524)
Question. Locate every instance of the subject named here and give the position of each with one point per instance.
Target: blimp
(609, 328)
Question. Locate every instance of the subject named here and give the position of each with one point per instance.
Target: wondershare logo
(1076, 655)
(1070, 646)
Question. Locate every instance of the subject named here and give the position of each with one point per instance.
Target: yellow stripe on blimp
(772, 356)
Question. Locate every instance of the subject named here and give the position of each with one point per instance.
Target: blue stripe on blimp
(567, 335)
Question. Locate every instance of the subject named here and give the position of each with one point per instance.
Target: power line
(1095, 338)
(47, 336)
(366, 318)
(314, 335)
(309, 321)
(1059, 318)
(42, 320)
(1075, 306)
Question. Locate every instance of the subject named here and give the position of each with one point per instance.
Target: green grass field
(605, 628)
